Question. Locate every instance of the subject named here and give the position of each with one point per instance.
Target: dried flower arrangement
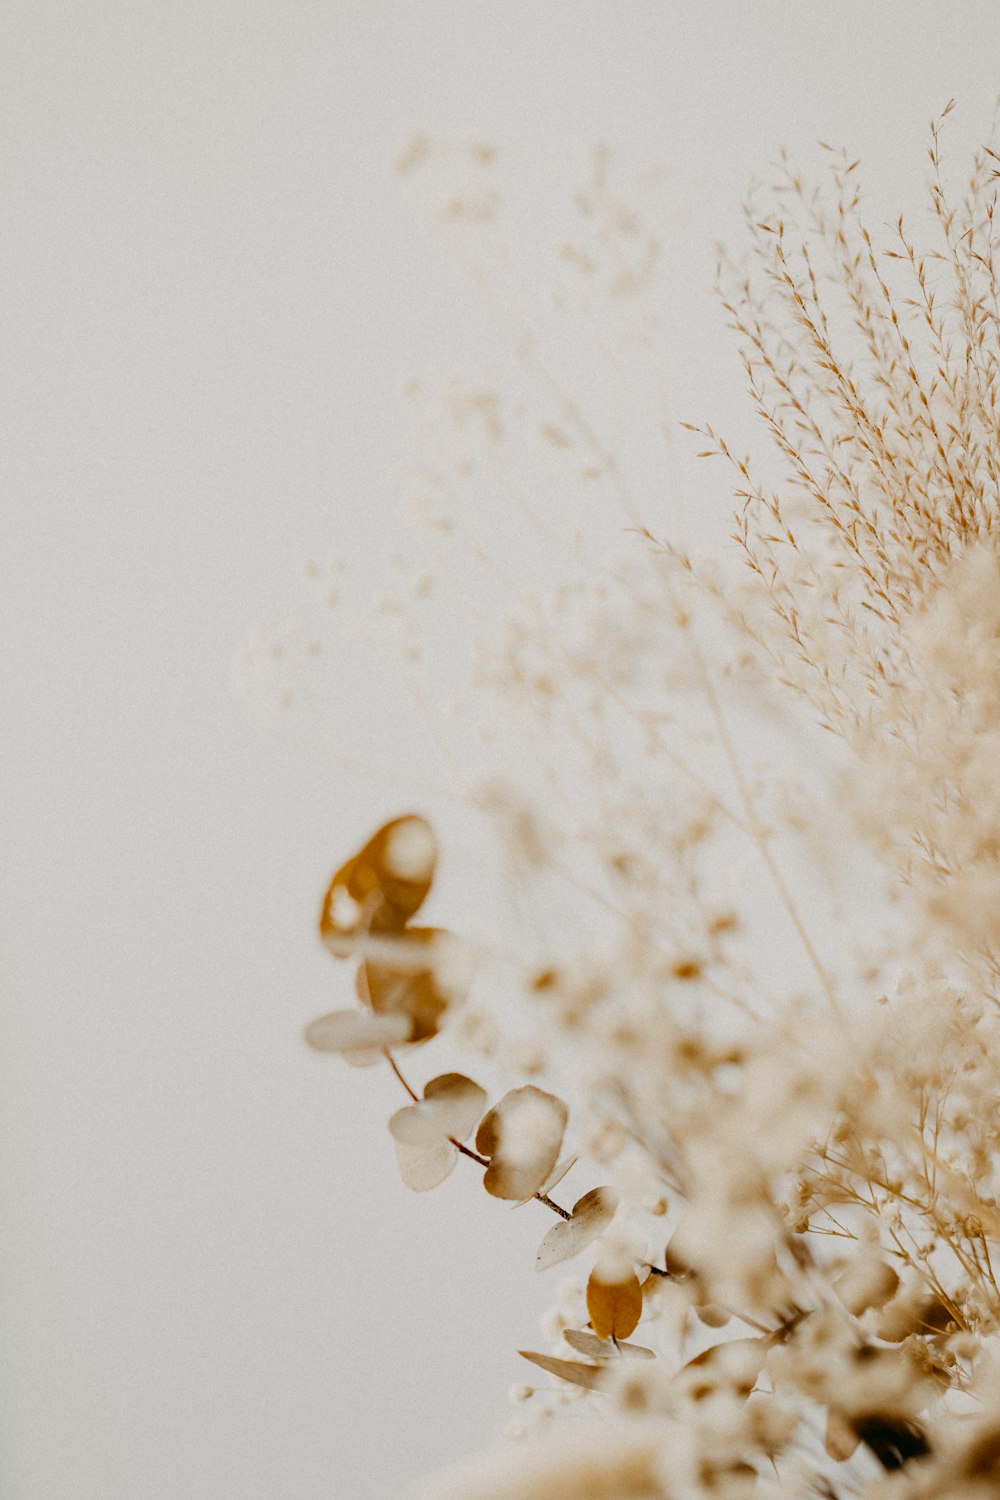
(773, 792)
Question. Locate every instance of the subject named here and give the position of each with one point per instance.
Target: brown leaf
(589, 1376)
(403, 988)
(595, 1348)
(615, 1306)
(521, 1135)
(423, 1167)
(591, 1214)
(382, 886)
(356, 1031)
(451, 1106)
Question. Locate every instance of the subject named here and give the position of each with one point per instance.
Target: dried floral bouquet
(773, 791)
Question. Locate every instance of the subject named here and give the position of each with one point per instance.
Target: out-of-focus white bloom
(616, 1460)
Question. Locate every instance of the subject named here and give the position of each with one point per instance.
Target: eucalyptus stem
(467, 1150)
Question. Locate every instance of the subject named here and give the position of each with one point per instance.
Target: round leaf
(424, 1167)
(615, 1307)
(521, 1135)
(382, 886)
(404, 988)
(450, 1108)
(356, 1031)
(591, 1214)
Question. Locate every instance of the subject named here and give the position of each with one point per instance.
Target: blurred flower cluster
(752, 800)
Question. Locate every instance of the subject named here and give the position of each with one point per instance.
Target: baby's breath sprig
(779, 1024)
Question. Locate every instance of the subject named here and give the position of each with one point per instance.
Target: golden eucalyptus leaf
(615, 1306)
(381, 887)
(405, 988)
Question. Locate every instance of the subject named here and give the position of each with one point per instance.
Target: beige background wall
(211, 1284)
